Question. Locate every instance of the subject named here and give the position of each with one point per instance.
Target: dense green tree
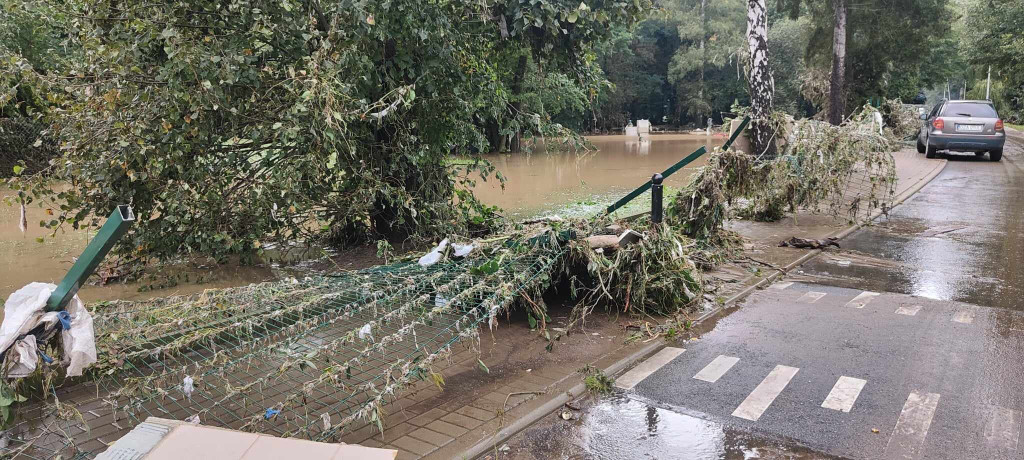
(711, 42)
(883, 41)
(232, 124)
(787, 44)
(635, 64)
(992, 38)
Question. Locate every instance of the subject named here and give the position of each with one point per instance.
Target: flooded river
(584, 183)
(538, 183)
(23, 260)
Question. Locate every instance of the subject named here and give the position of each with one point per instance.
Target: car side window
(935, 111)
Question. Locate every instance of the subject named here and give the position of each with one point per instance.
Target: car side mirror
(924, 116)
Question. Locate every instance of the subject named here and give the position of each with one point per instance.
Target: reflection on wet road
(960, 238)
(620, 427)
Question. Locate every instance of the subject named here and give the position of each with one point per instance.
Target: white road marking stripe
(909, 311)
(765, 393)
(965, 316)
(844, 394)
(862, 299)
(714, 371)
(1002, 432)
(811, 297)
(908, 435)
(781, 286)
(648, 367)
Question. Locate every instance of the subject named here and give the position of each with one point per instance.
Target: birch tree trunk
(836, 101)
(704, 52)
(762, 86)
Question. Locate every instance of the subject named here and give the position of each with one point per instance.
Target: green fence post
(115, 227)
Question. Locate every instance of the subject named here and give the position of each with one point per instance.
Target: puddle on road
(617, 427)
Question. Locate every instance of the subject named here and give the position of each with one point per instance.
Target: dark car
(962, 126)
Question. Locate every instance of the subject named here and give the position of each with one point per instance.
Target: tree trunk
(517, 105)
(704, 54)
(762, 86)
(836, 101)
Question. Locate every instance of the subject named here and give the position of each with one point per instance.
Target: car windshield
(970, 109)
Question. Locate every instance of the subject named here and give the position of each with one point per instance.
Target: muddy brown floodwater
(571, 184)
(24, 260)
(538, 183)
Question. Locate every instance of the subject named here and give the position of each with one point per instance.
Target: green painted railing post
(111, 231)
(736, 133)
(676, 167)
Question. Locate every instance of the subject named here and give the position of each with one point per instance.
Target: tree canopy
(231, 125)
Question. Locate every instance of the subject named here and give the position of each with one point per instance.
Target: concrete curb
(488, 444)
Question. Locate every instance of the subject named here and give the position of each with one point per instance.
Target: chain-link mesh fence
(300, 358)
(23, 141)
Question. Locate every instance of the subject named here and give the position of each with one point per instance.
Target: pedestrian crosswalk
(811, 297)
(765, 393)
(964, 316)
(909, 311)
(912, 427)
(815, 363)
(862, 299)
(907, 435)
(844, 394)
(716, 369)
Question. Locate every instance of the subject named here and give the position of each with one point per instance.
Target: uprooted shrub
(846, 169)
(657, 275)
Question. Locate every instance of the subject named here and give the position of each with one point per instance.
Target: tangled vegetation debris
(325, 354)
(839, 170)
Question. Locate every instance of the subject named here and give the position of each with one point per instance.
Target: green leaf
(573, 17)
(18, 169)
(483, 366)
(532, 320)
(487, 268)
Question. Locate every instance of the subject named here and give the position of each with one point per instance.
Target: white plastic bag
(24, 310)
(24, 356)
(434, 256)
(462, 250)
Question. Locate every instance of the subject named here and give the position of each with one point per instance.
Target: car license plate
(969, 128)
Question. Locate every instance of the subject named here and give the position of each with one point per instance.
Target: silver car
(962, 126)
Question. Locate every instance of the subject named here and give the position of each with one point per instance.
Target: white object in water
(631, 131)
(643, 127)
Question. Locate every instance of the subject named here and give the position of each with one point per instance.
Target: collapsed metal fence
(298, 358)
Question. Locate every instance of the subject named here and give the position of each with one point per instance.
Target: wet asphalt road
(960, 238)
(930, 367)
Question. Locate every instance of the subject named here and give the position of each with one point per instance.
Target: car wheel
(930, 152)
(995, 155)
(920, 146)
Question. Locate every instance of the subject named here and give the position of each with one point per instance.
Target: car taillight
(999, 125)
(939, 124)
